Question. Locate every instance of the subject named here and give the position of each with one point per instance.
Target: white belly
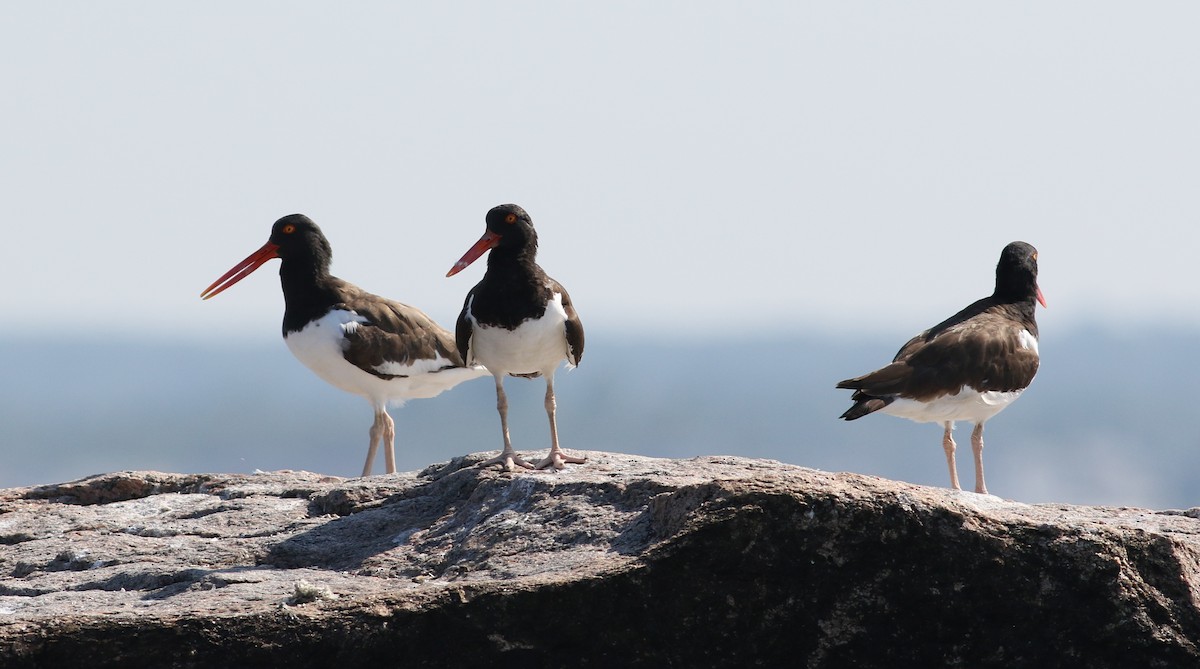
(967, 404)
(320, 347)
(534, 346)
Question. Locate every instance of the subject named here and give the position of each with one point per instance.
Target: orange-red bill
(241, 270)
(487, 241)
(1041, 298)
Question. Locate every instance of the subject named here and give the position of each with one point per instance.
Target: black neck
(308, 292)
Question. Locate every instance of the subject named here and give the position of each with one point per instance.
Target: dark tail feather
(865, 404)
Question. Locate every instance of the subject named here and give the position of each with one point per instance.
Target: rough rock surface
(625, 561)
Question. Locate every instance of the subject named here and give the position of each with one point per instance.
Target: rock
(625, 561)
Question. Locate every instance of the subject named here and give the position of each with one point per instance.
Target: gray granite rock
(624, 561)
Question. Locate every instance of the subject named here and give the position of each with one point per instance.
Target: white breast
(536, 345)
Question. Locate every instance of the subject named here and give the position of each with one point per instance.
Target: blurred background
(747, 203)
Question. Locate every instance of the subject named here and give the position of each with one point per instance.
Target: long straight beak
(487, 241)
(1041, 298)
(242, 270)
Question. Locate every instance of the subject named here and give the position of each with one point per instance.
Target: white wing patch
(419, 366)
(1028, 341)
(351, 326)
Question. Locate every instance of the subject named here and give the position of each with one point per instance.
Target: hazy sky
(728, 167)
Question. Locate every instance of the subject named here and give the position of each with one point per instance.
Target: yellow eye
(511, 218)
(289, 229)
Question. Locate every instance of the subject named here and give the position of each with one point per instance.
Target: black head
(296, 236)
(509, 235)
(1016, 274)
(296, 240)
(512, 224)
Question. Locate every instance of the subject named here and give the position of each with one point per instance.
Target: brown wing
(395, 332)
(463, 331)
(574, 326)
(984, 351)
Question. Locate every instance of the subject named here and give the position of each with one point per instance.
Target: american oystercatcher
(517, 322)
(968, 367)
(368, 345)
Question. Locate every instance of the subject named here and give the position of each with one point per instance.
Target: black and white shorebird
(383, 350)
(517, 322)
(968, 367)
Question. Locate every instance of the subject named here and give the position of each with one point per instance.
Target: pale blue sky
(733, 167)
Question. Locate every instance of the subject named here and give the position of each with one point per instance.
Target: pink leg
(977, 449)
(508, 458)
(377, 430)
(389, 442)
(557, 458)
(383, 431)
(948, 445)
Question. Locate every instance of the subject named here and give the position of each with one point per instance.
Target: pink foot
(559, 460)
(508, 460)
